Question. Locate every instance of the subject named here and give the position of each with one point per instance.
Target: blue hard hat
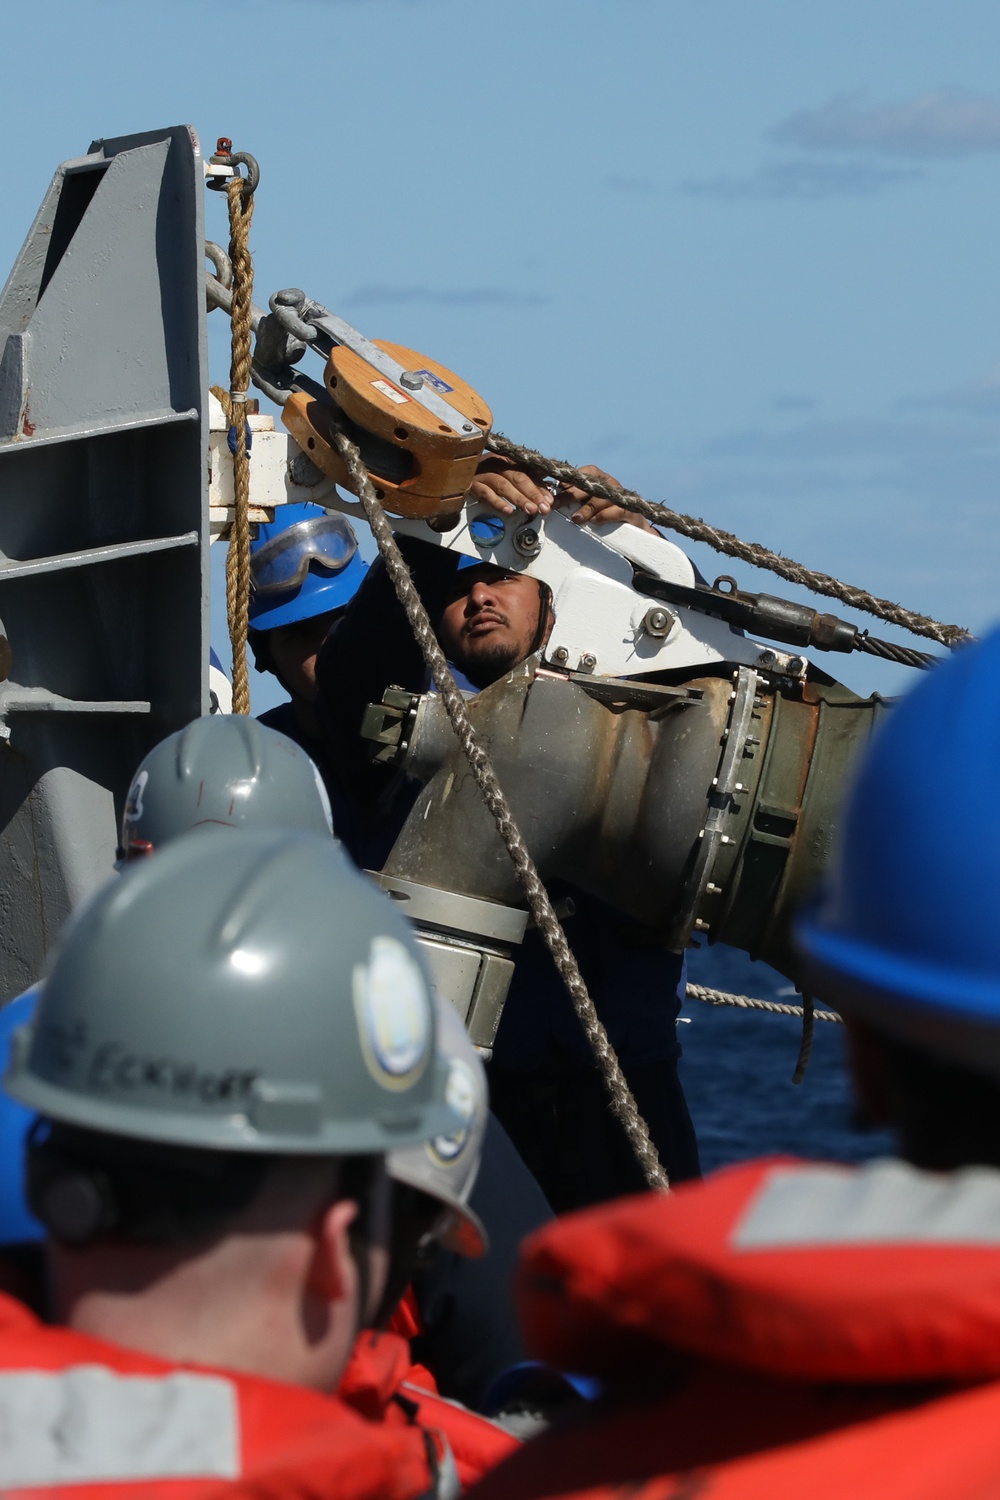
(303, 563)
(17, 1225)
(905, 929)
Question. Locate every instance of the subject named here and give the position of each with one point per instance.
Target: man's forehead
(483, 572)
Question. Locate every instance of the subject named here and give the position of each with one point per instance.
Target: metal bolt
(701, 924)
(560, 656)
(587, 662)
(766, 659)
(411, 380)
(527, 540)
(712, 888)
(796, 665)
(468, 427)
(657, 621)
(751, 739)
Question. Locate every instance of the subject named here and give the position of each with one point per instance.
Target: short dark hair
(85, 1185)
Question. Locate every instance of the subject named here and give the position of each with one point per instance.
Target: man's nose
(481, 594)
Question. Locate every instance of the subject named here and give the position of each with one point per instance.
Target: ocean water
(737, 1073)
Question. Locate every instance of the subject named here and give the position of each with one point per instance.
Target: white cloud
(619, 184)
(944, 122)
(803, 180)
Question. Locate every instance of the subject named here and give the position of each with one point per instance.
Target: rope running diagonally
(724, 541)
(622, 1103)
(238, 558)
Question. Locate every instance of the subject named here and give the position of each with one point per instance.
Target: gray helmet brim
(268, 1125)
(466, 1233)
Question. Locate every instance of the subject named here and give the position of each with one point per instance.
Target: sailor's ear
(333, 1275)
(869, 1072)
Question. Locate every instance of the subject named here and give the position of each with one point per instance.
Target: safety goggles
(283, 562)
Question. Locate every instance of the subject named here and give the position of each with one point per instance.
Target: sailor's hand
(505, 488)
(591, 508)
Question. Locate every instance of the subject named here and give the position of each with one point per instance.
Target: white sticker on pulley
(391, 392)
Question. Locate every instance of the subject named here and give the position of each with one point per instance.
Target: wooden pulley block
(420, 465)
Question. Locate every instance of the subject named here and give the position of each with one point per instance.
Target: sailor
(796, 1328)
(305, 569)
(545, 1086)
(432, 1186)
(231, 1039)
(221, 771)
(233, 772)
(458, 1312)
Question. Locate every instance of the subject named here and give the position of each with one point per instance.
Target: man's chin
(486, 661)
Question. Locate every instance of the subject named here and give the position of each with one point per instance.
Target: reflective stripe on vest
(87, 1424)
(882, 1203)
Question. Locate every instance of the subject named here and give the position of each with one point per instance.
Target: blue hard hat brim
(465, 561)
(848, 969)
(319, 593)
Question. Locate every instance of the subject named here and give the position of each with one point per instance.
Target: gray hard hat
(226, 770)
(446, 1165)
(241, 991)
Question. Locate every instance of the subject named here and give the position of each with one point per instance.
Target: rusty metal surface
(712, 814)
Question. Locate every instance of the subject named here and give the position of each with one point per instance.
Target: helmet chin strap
(545, 618)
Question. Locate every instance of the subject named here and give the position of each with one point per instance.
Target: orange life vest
(406, 1320)
(382, 1384)
(783, 1329)
(87, 1420)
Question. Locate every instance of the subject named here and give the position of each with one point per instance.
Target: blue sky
(742, 253)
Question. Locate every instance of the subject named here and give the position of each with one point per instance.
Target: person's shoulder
(282, 718)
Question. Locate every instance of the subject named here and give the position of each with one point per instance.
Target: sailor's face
(491, 622)
(294, 649)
